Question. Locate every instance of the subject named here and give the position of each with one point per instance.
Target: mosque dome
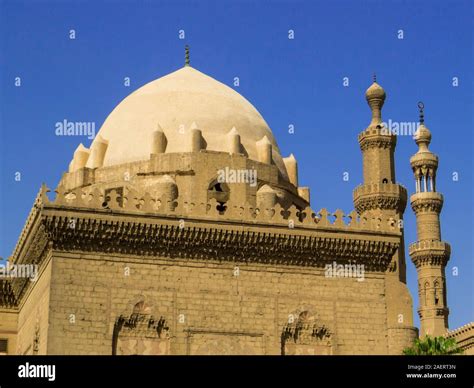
(178, 103)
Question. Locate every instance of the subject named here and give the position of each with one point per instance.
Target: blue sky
(291, 81)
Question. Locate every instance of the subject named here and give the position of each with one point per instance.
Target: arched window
(436, 293)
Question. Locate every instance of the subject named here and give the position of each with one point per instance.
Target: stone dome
(177, 103)
(375, 91)
(422, 135)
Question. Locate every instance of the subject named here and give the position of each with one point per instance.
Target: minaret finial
(375, 96)
(421, 107)
(186, 55)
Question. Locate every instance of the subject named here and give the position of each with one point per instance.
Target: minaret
(381, 197)
(429, 254)
(379, 194)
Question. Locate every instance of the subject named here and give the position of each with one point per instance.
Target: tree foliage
(433, 346)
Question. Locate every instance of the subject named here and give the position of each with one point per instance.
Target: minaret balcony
(379, 196)
(429, 252)
(424, 159)
(431, 201)
(377, 137)
(426, 312)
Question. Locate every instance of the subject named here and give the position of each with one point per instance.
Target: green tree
(433, 346)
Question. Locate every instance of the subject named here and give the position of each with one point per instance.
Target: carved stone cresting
(144, 203)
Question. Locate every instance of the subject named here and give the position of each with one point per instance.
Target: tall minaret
(380, 194)
(429, 254)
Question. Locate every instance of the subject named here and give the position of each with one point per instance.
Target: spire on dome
(423, 134)
(186, 55)
(421, 107)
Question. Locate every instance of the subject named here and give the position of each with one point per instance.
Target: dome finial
(421, 107)
(374, 77)
(186, 55)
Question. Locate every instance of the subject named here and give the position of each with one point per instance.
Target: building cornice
(75, 230)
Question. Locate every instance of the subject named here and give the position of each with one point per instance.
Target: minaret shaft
(378, 163)
(427, 226)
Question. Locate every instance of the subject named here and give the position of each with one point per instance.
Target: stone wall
(212, 307)
(8, 327)
(33, 316)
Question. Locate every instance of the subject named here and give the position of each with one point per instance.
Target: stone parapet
(376, 137)
(464, 337)
(292, 217)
